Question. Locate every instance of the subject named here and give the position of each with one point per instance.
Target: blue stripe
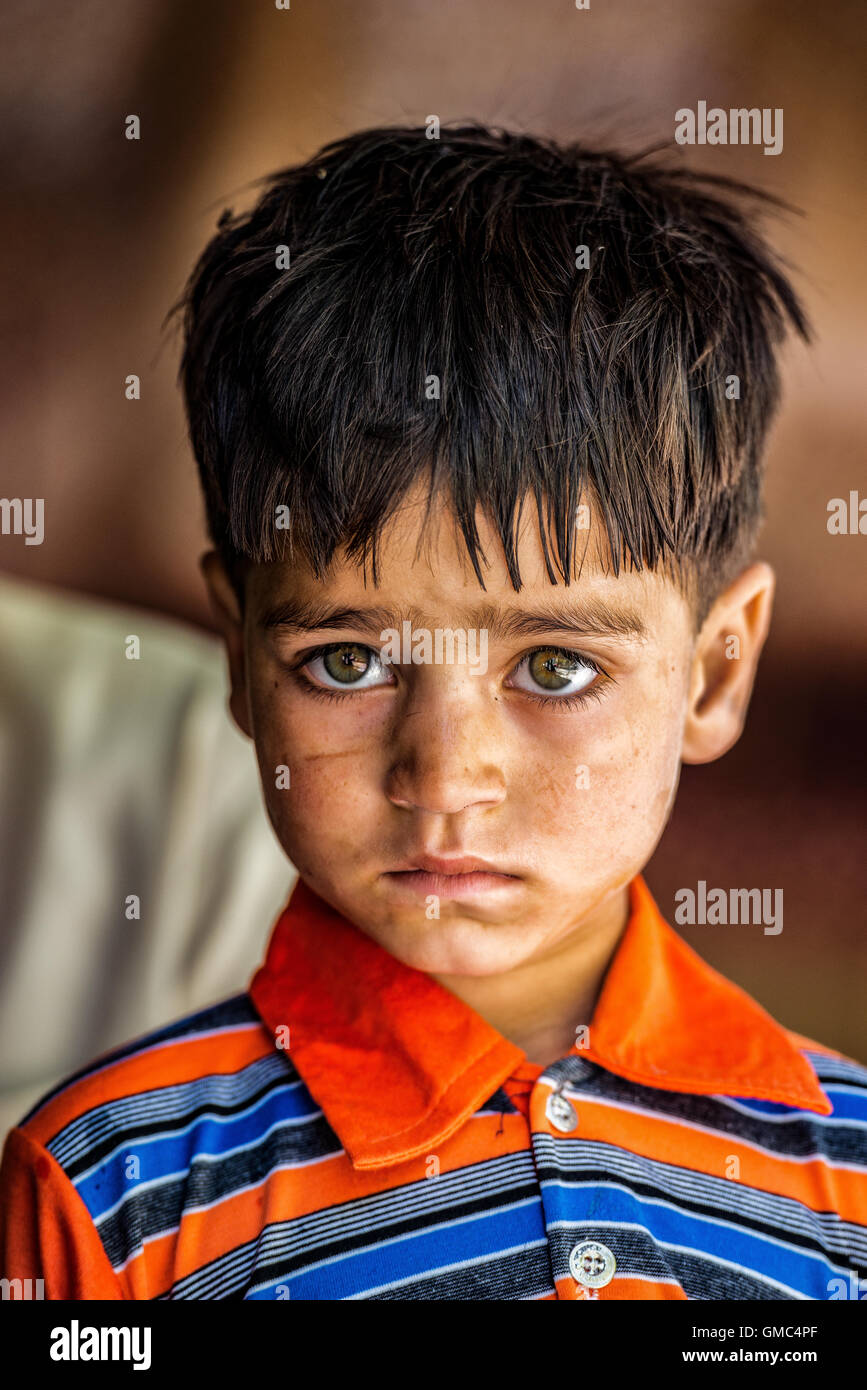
(162, 1156)
(768, 1107)
(482, 1237)
(806, 1273)
(848, 1105)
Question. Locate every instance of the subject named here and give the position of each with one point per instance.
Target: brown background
(99, 234)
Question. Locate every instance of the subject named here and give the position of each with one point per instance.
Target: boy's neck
(541, 1003)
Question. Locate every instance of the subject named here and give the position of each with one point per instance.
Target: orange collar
(398, 1063)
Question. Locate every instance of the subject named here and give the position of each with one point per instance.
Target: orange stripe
(292, 1193)
(634, 1288)
(618, 1290)
(817, 1184)
(170, 1065)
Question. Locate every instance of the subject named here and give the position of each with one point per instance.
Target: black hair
(431, 313)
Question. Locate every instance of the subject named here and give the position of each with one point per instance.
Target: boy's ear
(724, 664)
(230, 622)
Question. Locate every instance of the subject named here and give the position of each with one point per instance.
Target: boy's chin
(454, 943)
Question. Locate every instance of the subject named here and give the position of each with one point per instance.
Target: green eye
(552, 669)
(348, 664)
(556, 671)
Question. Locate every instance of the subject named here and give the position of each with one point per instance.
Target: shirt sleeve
(46, 1232)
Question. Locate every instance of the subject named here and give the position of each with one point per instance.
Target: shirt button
(592, 1264)
(561, 1113)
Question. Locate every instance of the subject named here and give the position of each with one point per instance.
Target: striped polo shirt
(349, 1129)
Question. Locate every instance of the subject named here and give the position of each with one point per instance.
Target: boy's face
(553, 757)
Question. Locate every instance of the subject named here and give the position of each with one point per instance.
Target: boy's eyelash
(311, 653)
(593, 692)
(321, 692)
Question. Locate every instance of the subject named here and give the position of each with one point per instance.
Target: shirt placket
(583, 1265)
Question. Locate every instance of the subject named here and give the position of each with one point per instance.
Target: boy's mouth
(427, 874)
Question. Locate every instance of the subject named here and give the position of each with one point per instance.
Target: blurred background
(99, 234)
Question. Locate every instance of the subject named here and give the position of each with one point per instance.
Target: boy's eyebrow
(587, 618)
(590, 617)
(296, 615)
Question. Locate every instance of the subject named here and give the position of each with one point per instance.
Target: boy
(480, 424)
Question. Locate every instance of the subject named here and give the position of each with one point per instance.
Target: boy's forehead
(424, 570)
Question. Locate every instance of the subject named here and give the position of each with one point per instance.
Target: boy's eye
(555, 671)
(348, 664)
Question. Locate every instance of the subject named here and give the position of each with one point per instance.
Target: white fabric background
(118, 777)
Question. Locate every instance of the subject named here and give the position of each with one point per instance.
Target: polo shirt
(349, 1129)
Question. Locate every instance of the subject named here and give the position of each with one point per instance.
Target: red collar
(398, 1063)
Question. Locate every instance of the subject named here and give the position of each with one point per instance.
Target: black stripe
(522, 1274)
(276, 1266)
(160, 1209)
(793, 1139)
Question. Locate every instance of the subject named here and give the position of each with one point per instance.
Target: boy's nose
(445, 760)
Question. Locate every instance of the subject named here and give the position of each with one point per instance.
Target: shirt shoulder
(131, 1117)
(844, 1082)
(838, 1141)
(195, 1050)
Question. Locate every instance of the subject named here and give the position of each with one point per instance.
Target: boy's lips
(428, 874)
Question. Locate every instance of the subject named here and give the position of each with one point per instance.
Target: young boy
(480, 423)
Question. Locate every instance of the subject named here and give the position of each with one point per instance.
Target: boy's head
(515, 395)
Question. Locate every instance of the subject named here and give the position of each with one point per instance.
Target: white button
(592, 1264)
(561, 1113)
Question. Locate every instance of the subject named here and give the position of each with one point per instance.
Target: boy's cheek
(627, 757)
(320, 788)
(324, 801)
(610, 794)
